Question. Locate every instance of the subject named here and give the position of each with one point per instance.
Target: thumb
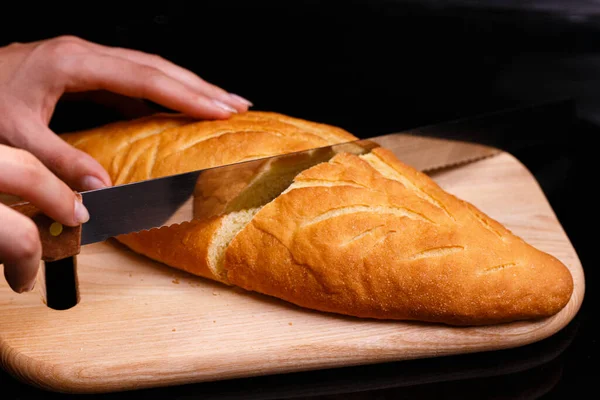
(76, 168)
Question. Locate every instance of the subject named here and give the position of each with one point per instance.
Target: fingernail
(91, 182)
(28, 288)
(31, 287)
(224, 106)
(81, 213)
(240, 98)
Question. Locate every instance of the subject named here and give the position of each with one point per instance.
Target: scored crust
(385, 241)
(167, 144)
(361, 235)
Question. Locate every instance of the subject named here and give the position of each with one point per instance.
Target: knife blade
(179, 198)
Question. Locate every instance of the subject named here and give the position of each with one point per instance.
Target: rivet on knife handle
(58, 241)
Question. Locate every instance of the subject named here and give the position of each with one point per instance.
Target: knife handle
(58, 241)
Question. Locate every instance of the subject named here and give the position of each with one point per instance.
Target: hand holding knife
(53, 206)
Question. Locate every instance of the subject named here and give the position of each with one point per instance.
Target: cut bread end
(265, 188)
(275, 176)
(231, 225)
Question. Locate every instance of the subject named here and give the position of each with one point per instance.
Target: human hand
(37, 165)
(33, 77)
(25, 176)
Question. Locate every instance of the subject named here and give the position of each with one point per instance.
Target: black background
(375, 67)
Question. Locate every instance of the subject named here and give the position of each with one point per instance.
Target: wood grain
(140, 324)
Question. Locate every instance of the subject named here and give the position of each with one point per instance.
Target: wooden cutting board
(140, 324)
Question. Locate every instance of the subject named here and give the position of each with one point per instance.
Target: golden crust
(163, 145)
(375, 247)
(183, 246)
(167, 144)
(118, 144)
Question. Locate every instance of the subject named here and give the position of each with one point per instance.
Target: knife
(174, 199)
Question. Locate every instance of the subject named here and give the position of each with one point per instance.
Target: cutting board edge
(61, 380)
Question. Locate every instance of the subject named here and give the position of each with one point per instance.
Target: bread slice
(197, 247)
(360, 234)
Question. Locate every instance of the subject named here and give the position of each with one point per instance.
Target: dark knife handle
(58, 241)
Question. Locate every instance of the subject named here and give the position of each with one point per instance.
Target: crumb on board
(130, 275)
(214, 321)
(175, 281)
(215, 294)
(174, 330)
(289, 323)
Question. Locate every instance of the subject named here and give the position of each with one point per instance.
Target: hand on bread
(37, 165)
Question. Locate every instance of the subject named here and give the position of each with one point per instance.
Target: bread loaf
(363, 235)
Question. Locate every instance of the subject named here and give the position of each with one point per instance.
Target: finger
(175, 71)
(20, 249)
(77, 169)
(25, 176)
(98, 71)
